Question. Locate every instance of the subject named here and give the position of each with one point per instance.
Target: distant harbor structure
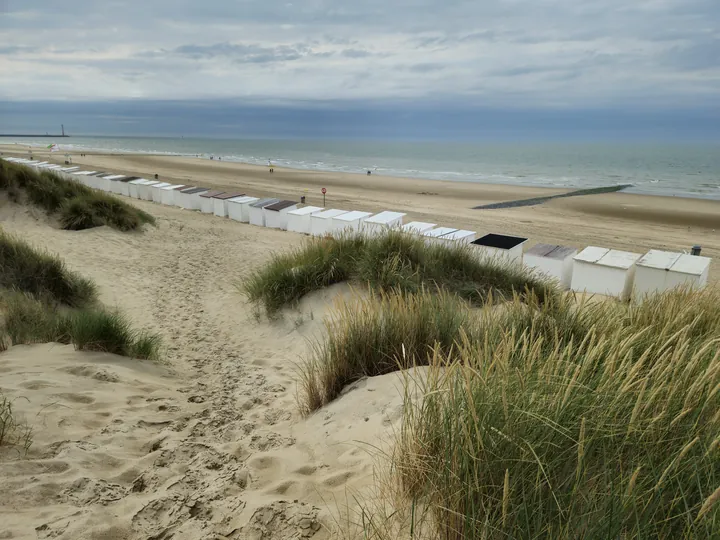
(28, 135)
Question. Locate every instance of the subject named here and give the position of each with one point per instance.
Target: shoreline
(631, 189)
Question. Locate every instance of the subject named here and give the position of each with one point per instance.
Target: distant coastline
(674, 170)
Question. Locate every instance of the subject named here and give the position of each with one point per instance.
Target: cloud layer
(496, 53)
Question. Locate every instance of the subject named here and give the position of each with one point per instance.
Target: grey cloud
(243, 53)
(17, 49)
(603, 50)
(356, 53)
(426, 67)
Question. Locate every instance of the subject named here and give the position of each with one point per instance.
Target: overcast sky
(541, 55)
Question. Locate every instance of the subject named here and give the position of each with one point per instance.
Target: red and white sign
(324, 191)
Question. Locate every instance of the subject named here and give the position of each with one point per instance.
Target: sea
(669, 169)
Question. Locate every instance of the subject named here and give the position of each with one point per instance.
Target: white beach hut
(83, 177)
(417, 227)
(553, 261)
(299, 220)
(605, 271)
(145, 190)
(206, 201)
(189, 197)
(155, 190)
(501, 247)
(321, 222)
(461, 236)
(168, 194)
(239, 208)
(134, 185)
(276, 215)
(433, 235)
(94, 179)
(101, 181)
(257, 216)
(658, 271)
(115, 183)
(382, 222)
(125, 185)
(220, 202)
(349, 222)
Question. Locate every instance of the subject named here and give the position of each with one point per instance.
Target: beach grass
(27, 269)
(77, 206)
(390, 261)
(544, 419)
(13, 431)
(26, 319)
(379, 335)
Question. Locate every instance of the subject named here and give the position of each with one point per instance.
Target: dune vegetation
(393, 261)
(42, 301)
(76, 206)
(534, 419)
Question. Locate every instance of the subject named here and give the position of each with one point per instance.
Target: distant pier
(46, 135)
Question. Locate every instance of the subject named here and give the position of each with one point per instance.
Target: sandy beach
(618, 220)
(210, 444)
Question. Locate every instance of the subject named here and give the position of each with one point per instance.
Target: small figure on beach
(270, 166)
(369, 172)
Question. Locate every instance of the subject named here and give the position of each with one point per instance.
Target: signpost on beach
(324, 191)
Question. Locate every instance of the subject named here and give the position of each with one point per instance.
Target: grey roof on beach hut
(211, 193)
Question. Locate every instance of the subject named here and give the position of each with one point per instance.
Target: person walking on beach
(270, 166)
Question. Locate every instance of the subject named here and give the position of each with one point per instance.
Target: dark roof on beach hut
(280, 205)
(499, 241)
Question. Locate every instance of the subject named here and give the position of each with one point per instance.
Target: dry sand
(210, 445)
(207, 445)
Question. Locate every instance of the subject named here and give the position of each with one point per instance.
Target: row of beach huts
(595, 270)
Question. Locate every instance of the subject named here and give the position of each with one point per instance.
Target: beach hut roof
(243, 199)
(160, 185)
(228, 195)
(352, 215)
(591, 254)
(385, 217)
(171, 187)
(619, 259)
(195, 190)
(139, 181)
(458, 235)
(305, 210)
(418, 226)
(440, 231)
(262, 203)
(281, 205)
(691, 264)
(211, 193)
(661, 260)
(327, 214)
(499, 241)
(551, 251)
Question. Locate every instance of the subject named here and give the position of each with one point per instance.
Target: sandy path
(208, 446)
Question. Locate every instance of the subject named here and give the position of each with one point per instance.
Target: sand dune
(208, 445)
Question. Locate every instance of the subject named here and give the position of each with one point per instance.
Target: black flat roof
(499, 241)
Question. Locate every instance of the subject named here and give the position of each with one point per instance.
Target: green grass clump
(390, 261)
(78, 206)
(111, 332)
(13, 432)
(97, 209)
(380, 335)
(547, 420)
(24, 319)
(24, 268)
